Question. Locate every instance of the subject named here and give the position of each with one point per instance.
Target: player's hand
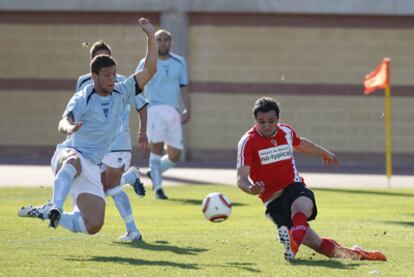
(257, 188)
(185, 117)
(146, 26)
(75, 126)
(142, 140)
(329, 159)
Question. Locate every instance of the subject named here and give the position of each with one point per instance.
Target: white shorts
(164, 125)
(89, 181)
(117, 160)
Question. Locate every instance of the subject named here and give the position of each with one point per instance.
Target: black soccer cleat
(139, 188)
(159, 194)
(54, 217)
(149, 174)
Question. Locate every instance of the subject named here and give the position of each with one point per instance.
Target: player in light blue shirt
(165, 91)
(90, 121)
(118, 160)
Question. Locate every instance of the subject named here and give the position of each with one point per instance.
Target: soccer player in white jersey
(117, 161)
(165, 91)
(90, 121)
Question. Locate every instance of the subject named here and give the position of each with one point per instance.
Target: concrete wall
(271, 56)
(310, 56)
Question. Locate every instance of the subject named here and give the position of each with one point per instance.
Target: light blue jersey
(100, 117)
(123, 139)
(164, 87)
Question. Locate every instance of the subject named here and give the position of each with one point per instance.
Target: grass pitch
(178, 241)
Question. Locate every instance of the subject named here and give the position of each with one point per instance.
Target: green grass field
(180, 242)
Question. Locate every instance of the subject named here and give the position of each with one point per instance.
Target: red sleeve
(244, 152)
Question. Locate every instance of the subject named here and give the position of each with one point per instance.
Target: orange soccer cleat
(369, 255)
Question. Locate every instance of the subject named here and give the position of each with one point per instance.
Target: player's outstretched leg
(132, 176)
(73, 222)
(36, 212)
(333, 249)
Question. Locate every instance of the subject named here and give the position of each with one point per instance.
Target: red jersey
(270, 159)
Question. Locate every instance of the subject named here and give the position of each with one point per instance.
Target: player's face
(104, 82)
(267, 123)
(164, 44)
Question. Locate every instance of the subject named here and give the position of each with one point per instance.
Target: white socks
(62, 184)
(155, 166)
(124, 207)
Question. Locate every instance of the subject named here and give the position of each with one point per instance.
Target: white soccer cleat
(289, 244)
(36, 212)
(130, 237)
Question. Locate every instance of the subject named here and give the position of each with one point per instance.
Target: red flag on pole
(379, 78)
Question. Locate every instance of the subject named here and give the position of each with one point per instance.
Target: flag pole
(388, 136)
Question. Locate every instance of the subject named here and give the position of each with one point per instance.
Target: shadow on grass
(188, 181)
(163, 246)
(244, 266)
(362, 191)
(197, 202)
(140, 262)
(132, 261)
(404, 223)
(325, 263)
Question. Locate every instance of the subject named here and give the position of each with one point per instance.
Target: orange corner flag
(379, 78)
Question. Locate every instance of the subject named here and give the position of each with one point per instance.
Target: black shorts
(280, 209)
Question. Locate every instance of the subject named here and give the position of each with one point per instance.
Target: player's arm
(307, 147)
(142, 133)
(187, 106)
(68, 126)
(244, 183)
(150, 64)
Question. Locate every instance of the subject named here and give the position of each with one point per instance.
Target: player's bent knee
(175, 156)
(92, 208)
(302, 204)
(93, 225)
(75, 161)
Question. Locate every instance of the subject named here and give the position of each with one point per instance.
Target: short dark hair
(266, 104)
(100, 62)
(98, 46)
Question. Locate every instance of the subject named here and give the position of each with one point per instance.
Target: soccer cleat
(54, 217)
(159, 194)
(130, 237)
(36, 212)
(139, 188)
(138, 185)
(290, 245)
(368, 255)
(149, 174)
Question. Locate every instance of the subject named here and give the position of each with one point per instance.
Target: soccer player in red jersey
(266, 167)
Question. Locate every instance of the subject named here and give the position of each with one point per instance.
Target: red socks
(327, 248)
(300, 227)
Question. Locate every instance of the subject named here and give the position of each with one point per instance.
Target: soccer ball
(216, 207)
